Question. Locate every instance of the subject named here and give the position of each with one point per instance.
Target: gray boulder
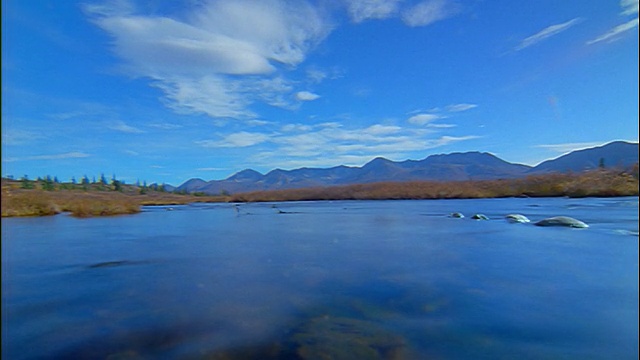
(517, 218)
(562, 221)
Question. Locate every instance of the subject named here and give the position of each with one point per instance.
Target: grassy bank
(100, 200)
(86, 202)
(597, 183)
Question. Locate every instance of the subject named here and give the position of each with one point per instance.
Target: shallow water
(342, 279)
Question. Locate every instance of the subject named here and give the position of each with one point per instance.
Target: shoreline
(83, 202)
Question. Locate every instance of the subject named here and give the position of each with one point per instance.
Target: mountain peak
(245, 175)
(458, 166)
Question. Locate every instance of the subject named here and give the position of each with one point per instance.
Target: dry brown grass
(599, 183)
(36, 202)
(101, 202)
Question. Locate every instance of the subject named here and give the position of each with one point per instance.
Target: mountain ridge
(457, 166)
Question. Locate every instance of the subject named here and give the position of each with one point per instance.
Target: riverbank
(101, 200)
(37, 202)
(595, 183)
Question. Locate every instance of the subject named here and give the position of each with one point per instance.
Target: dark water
(325, 280)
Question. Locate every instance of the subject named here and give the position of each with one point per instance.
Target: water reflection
(379, 280)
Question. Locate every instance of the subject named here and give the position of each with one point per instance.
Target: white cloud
(239, 139)
(629, 7)
(428, 12)
(210, 169)
(68, 155)
(219, 58)
(165, 126)
(19, 137)
(306, 96)
(378, 129)
(611, 34)
(546, 33)
(423, 119)
(361, 10)
(122, 127)
(445, 140)
(332, 145)
(569, 147)
(441, 126)
(296, 127)
(460, 107)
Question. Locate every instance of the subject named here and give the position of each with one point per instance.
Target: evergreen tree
(26, 183)
(117, 185)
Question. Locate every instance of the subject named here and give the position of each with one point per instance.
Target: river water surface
(325, 280)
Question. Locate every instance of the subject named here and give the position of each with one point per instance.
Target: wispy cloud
(122, 127)
(428, 117)
(330, 144)
(165, 126)
(361, 10)
(239, 139)
(430, 11)
(460, 107)
(19, 137)
(210, 169)
(546, 33)
(629, 7)
(611, 34)
(68, 155)
(569, 147)
(219, 58)
(422, 119)
(306, 96)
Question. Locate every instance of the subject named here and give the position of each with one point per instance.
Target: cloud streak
(219, 58)
(569, 147)
(629, 7)
(428, 12)
(306, 96)
(330, 144)
(361, 10)
(68, 155)
(546, 33)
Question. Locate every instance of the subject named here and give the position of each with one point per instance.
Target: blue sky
(165, 91)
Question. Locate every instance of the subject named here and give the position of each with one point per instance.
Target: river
(331, 279)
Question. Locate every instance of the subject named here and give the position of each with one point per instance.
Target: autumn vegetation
(48, 197)
(87, 199)
(595, 183)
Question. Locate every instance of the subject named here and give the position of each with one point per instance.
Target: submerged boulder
(562, 221)
(517, 218)
(479, 217)
(456, 215)
(330, 337)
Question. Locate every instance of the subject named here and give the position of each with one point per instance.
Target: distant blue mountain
(615, 154)
(442, 167)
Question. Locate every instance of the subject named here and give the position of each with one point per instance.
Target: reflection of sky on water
(205, 278)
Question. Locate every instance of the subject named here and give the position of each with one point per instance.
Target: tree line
(51, 183)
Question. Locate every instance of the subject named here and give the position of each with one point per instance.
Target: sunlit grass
(37, 202)
(598, 183)
(98, 201)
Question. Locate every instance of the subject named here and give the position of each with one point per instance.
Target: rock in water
(517, 218)
(345, 338)
(479, 217)
(562, 221)
(456, 215)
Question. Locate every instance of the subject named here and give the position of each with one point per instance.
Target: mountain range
(442, 167)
